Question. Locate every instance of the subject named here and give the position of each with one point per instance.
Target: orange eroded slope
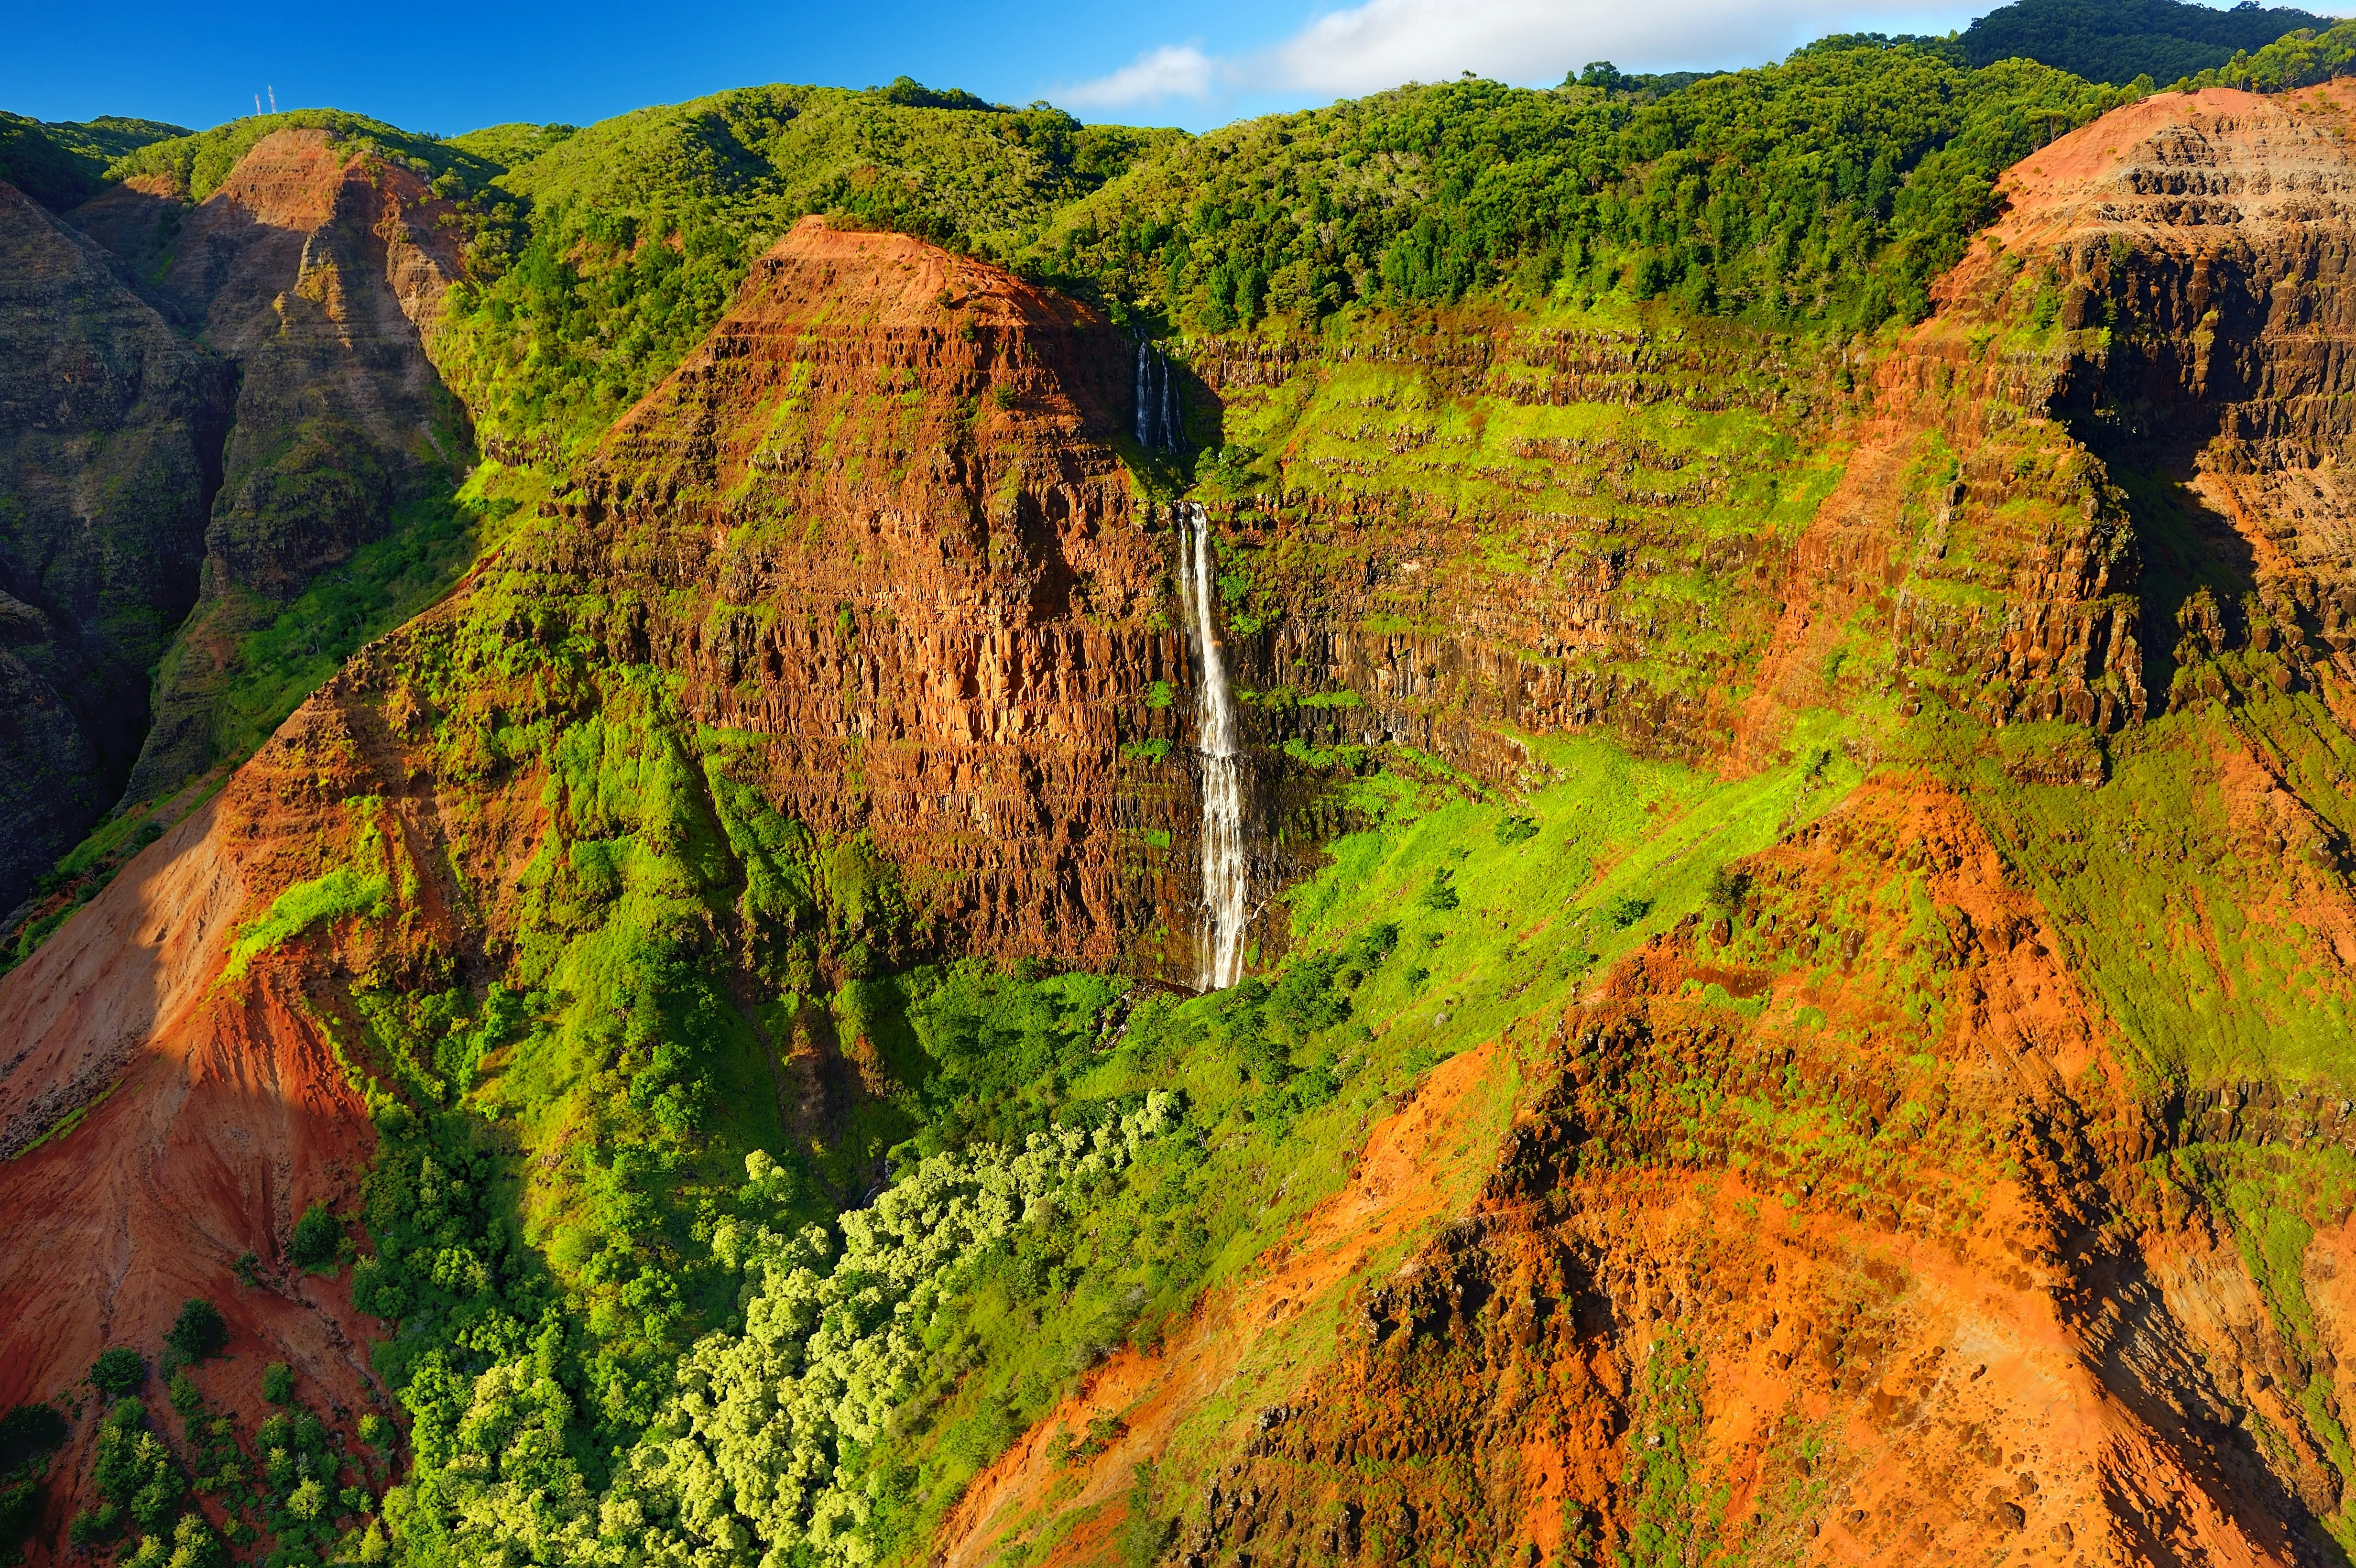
(162, 1124)
(1412, 1172)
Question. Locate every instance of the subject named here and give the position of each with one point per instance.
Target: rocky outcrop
(876, 522)
(2190, 253)
(317, 270)
(111, 434)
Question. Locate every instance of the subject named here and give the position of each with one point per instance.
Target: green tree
(198, 1332)
(118, 1370)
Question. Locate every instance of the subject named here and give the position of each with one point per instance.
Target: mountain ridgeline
(1577, 827)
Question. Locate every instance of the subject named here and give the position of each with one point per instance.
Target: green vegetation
(28, 1435)
(717, 1216)
(342, 891)
(1831, 189)
(318, 1238)
(197, 1334)
(134, 1474)
(2304, 58)
(2182, 929)
(118, 1370)
(1677, 1514)
(292, 651)
(2119, 40)
(621, 242)
(595, 1316)
(63, 164)
(195, 162)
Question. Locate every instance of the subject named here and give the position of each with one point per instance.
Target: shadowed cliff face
(318, 271)
(2199, 250)
(110, 432)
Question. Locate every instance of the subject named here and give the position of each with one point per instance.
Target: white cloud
(1383, 43)
(1174, 70)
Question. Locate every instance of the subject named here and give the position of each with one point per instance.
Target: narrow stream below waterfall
(1225, 907)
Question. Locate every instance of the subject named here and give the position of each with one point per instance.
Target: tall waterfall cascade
(1158, 425)
(1226, 908)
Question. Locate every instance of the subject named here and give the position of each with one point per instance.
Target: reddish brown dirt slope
(158, 1123)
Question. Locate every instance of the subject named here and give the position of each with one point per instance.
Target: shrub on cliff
(198, 1332)
(118, 1370)
(317, 1237)
(132, 1470)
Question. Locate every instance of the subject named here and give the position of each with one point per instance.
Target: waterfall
(1157, 423)
(1225, 911)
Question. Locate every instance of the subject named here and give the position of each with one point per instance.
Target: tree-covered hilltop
(618, 245)
(2118, 40)
(2303, 59)
(195, 162)
(64, 162)
(1830, 188)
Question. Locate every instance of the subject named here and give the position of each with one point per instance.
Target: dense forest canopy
(1830, 188)
(605, 253)
(2118, 40)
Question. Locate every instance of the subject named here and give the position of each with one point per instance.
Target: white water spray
(1226, 908)
(1157, 400)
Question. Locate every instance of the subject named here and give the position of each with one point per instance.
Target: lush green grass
(292, 653)
(2180, 896)
(343, 892)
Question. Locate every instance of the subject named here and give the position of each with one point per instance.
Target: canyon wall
(110, 432)
(1895, 1202)
(1911, 1201)
(317, 270)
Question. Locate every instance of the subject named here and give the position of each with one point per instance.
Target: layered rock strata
(1867, 1219)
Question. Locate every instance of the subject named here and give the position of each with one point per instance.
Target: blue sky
(447, 71)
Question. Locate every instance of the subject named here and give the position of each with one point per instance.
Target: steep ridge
(880, 527)
(318, 271)
(879, 431)
(111, 431)
(2209, 241)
